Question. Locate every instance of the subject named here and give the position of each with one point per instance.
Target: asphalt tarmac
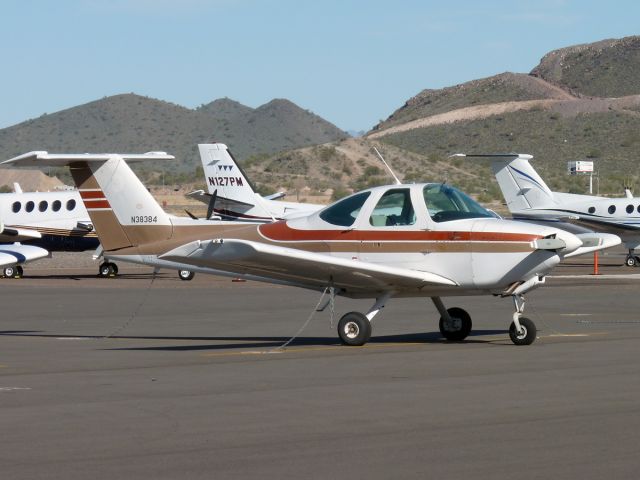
(141, 377)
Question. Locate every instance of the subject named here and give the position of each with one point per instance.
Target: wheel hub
(351, 329)
(453, 324)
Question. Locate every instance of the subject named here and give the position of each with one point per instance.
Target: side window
(56, 205)
(629, 208)
(71, 204)
(612, 209)
(16, 207)
(592, 209)
(29, 206)
(43, 205)
(393, 208)
(344, 212)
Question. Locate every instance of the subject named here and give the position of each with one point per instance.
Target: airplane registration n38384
(368, 245)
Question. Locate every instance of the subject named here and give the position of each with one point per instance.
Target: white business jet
(529, 198)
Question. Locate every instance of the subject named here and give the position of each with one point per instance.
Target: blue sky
(353, 62)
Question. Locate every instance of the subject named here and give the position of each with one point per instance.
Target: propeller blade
(212, 203)
(191, 214)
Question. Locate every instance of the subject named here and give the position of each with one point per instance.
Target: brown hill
(505, 87)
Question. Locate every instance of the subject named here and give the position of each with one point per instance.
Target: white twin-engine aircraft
(231, 196)
(421, 240)
(46, 221)
(529, 198)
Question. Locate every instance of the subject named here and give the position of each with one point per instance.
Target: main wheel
(19, 273)
(107, 270)
(9, 272)
(354, 329)
(630, 261)
(527, 335)
(186, 275)
(114, 268)
(458, 328)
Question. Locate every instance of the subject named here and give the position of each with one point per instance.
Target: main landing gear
(13, 272)
(186, 275)
(632, 260)
(108, 269)
(354, 328)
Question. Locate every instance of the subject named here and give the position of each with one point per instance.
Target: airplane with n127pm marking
(529, 198)
(420, 240)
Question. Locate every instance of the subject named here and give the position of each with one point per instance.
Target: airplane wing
(15, 253)
(205, 197)
(606, 225)
(10, 234)
(305, 269)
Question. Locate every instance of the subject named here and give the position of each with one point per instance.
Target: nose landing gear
(522, 330)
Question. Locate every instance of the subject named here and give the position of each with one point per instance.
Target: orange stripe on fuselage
(281, 232)
(96, 204)
(91, 194)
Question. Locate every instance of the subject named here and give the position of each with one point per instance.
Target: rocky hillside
(504, 87)
(133, 123)
(608, 68)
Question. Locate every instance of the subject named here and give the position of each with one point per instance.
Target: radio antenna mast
(398, 182)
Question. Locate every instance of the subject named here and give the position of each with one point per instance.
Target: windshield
(344, 212)
(446, 203)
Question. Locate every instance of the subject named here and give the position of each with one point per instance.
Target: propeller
(212, 203)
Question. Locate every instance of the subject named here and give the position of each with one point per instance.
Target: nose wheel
(522, 330)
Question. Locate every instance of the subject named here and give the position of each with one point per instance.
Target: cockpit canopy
(401, 206)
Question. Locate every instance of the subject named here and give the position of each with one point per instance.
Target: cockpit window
(446, 203)
(344, 212)
(393, 208)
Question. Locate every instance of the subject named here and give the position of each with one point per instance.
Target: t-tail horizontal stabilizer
(521, 186)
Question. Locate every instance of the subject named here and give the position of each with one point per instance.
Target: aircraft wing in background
(16, 253)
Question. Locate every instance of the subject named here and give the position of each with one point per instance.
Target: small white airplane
(419, 240)
(529, 198)
(231, 196)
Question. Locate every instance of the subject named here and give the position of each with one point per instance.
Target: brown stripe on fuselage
(183, 234)
(281, 232)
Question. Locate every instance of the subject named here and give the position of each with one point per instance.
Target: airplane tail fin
(227, 180)
(521, 185)
(121, 209)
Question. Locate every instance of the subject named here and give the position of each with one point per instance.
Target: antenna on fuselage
(398, 182)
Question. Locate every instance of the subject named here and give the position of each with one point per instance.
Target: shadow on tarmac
(248, 342)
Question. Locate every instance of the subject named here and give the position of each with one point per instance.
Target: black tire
(460, 327)
(186, 275)
(528, 336)
(19, 273)
(9, 272)
(114, 268)
(106, 270)
(354, 329)
(630, 261)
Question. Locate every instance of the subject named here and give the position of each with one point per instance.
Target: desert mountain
(133, 123)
